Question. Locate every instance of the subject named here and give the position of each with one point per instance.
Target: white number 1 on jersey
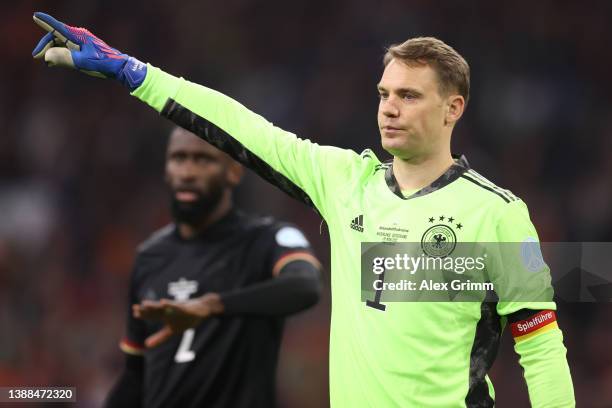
(181, 290)
(184, 354)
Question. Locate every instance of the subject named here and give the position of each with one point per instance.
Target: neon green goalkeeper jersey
(391, 354)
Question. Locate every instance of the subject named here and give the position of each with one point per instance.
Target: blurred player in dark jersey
(209, 292)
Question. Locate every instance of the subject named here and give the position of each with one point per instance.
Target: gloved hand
(77, 48)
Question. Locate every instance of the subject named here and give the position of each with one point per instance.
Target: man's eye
(382, 96)
(203, 159)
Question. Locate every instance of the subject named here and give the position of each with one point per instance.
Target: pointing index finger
(58, 29)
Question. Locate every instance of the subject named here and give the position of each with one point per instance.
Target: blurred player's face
(413, 117)
(199, 175)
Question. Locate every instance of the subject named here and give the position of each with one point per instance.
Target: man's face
(411, 112)
(198, 175)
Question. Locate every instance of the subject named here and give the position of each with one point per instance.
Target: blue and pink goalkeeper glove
(77, 48)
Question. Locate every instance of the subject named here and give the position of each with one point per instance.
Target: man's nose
(187, 170)
(389, 108)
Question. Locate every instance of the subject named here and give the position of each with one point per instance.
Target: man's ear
(235, 171)
(454, 109)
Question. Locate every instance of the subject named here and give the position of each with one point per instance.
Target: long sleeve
(524, 287)
(304, 170)
(543, 358)
(291, 279)
(296, 288)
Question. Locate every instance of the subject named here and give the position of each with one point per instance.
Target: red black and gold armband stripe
(294, 256)
(530, 323)
(131, 347)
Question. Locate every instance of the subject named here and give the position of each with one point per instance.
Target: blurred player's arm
(127, 392)
(292, 278)
(293, 285)
(296, 288)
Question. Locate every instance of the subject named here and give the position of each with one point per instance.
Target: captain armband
(540, 322)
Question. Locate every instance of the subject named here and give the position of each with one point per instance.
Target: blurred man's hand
(177, 316)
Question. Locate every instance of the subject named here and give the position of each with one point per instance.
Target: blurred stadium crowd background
(81, 163)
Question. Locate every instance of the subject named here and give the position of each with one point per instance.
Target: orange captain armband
(536, 324)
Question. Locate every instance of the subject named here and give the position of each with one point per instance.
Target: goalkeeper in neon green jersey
(382, 354)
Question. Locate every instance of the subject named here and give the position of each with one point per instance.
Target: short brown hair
(452, 69)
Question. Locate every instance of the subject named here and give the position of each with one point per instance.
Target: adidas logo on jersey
(357, 223)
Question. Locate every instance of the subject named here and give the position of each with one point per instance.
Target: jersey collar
(455, 171)
(222, 226)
